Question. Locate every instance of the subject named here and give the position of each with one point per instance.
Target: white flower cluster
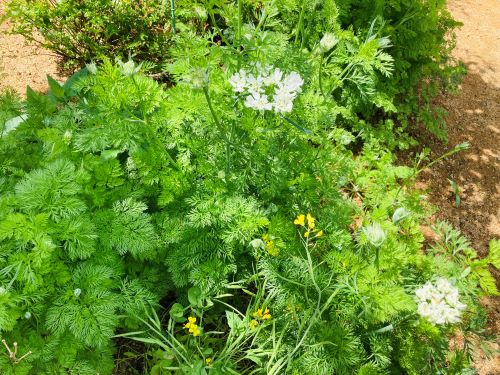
(439, 303)
(269, 90)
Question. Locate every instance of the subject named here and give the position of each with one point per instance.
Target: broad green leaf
(233, 320)
(177, 313)
(55, 88)
(194, 296)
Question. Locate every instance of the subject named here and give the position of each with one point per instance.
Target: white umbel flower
(255, 84)
(258, 102)
(270, 89)
(239, 81)
(273, 78)
(439, 303)
(293, 82)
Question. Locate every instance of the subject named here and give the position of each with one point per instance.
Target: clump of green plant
(91, 30)
(421, 35)
(241, 199)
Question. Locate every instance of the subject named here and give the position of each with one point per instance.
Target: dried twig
(13, 354)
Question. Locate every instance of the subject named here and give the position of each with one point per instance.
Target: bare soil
(22, 64)
(473, 117)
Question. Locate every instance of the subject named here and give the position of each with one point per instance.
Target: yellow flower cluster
(192, 326)
(259, 315)
(308, 219)
(270, 245)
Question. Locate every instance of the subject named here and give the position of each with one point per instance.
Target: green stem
(300, 26)
(212, 111)
(454, 150)
(220, 128)
(219, 31)
(238, 34)
(172, 15)
(172, 161)
(320, 79)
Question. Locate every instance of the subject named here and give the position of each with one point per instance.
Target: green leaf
(487, 281)
(13, 123)
(465, 273)
(233, 320)
(494, 255)
(290, 121)
(110, 154)
(70, 82)
(55, 88)
(195, 297)
(177, 313)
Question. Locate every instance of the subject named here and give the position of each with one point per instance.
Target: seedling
(456, 191)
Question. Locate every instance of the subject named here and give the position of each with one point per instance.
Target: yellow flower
(271, 248)
(192, 327)
(306, 234)
(254, 324)
(257, 314)
(320, 233)
(208, 360)
(191, 323)
(300, 220)
(262, 314)
(266, 315)
(311, 221)
(196, 332)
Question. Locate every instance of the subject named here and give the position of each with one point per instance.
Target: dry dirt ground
(22, 65)
(473, 117)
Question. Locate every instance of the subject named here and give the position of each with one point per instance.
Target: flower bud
(91, 68)
(67, 136)
(328, 41)
(375, 234)
(400, 214)
(197, 78)
(257, 243)
(77, 292)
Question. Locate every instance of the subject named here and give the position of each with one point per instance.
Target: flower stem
(320, 79)
(219, 126)
(300, 26)
(172, 16)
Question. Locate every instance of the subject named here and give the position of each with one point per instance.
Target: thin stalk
(172, 161)
(320, 79)
(172, 16)
(454, 150)
(238, 34)
(220, 128)
(219, 31)
(300, 26)
(212, 111)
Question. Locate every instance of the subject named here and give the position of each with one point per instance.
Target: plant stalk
(172, 16)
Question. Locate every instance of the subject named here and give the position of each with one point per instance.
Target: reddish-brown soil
(21, 64)
(473, 117)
